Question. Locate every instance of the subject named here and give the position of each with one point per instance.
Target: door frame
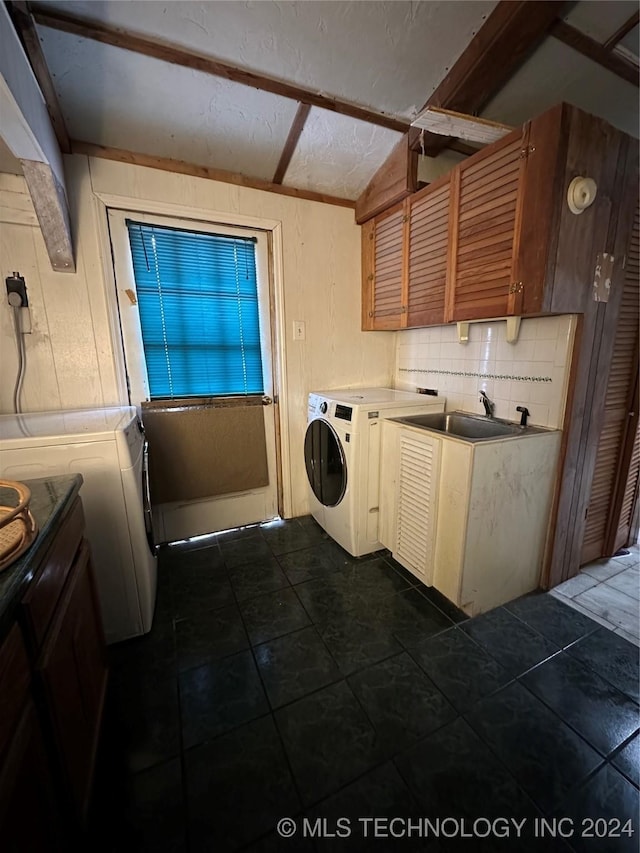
(273, 228)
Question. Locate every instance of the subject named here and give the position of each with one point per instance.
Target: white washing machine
(108, 447)
(342, 458)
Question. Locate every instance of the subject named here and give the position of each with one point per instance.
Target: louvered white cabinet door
(417, 501)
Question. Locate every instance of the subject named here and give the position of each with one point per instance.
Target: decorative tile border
(476, 374)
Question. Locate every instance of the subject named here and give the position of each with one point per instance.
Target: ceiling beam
(27, 131)
(622, 31)
(166, 164)
(510, 33)
(25, 26)
(292, 140)
(595, 51)
(508, 36)
(118, 37)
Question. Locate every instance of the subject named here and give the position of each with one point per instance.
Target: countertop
(51, 499)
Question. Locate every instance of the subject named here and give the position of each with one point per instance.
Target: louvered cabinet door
(387, 288)
(483, 248)
(428, 248)
(615, 478)
(417, 488)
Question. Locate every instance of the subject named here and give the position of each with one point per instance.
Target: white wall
(74, 356)
(533, 372)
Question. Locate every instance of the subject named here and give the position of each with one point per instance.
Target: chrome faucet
(489, 406)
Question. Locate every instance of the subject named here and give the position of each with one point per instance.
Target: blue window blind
(198, 303)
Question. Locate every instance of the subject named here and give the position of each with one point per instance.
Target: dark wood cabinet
(30, 816)
(495, 237)
(73, 673)
(53, 676)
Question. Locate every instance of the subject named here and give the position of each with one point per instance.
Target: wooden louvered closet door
(428, 247)
(387, 310)
(615, 480)
(483, 248)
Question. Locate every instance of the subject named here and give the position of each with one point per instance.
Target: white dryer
(342, 458)
(108, 447)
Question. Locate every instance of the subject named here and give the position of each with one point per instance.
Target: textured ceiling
(556, 73)
(386, 56)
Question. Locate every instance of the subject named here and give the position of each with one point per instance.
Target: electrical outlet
(17, 291)
(299, 330)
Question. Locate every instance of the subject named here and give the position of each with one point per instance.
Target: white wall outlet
(299, 330)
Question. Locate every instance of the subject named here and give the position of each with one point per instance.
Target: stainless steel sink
(468, 427)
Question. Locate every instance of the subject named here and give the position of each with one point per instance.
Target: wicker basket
(18, 527)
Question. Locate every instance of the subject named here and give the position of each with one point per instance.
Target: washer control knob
(323, 407)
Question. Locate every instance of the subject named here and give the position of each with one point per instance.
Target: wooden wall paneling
(542, 200)
(595, 148)
(622, 406)
(395, 180)
(427, 250)
(627, 531)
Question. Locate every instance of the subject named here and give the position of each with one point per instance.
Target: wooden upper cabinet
(427, 254)
(495, 237)
(384, 270)
(485, 198)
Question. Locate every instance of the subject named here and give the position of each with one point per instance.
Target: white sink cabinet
(469, 518)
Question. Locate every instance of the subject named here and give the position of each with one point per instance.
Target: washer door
(325, 463)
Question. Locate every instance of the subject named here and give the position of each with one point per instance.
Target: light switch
(299, 330)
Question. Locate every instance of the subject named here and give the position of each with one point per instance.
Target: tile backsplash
(533, 372)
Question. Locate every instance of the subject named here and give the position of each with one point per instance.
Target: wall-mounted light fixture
(581, 194)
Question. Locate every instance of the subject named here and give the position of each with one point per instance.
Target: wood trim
(622, 31)
(395, 180)
(515, 299)
(181, 167)
(406, 233)
(24, 24)
(596, 52)
(297, 126)
(612, 158)
(45, 16)
(368, 272)
(510, 33)
(462, 147)
(50, 204)
(627, 446)
(452, 259)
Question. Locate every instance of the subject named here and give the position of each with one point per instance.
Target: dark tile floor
(283, 678)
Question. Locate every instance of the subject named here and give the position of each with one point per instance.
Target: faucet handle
(525, 414)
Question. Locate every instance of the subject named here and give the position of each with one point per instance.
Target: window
(199, 313)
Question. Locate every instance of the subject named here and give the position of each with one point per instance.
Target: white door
(191, 515)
